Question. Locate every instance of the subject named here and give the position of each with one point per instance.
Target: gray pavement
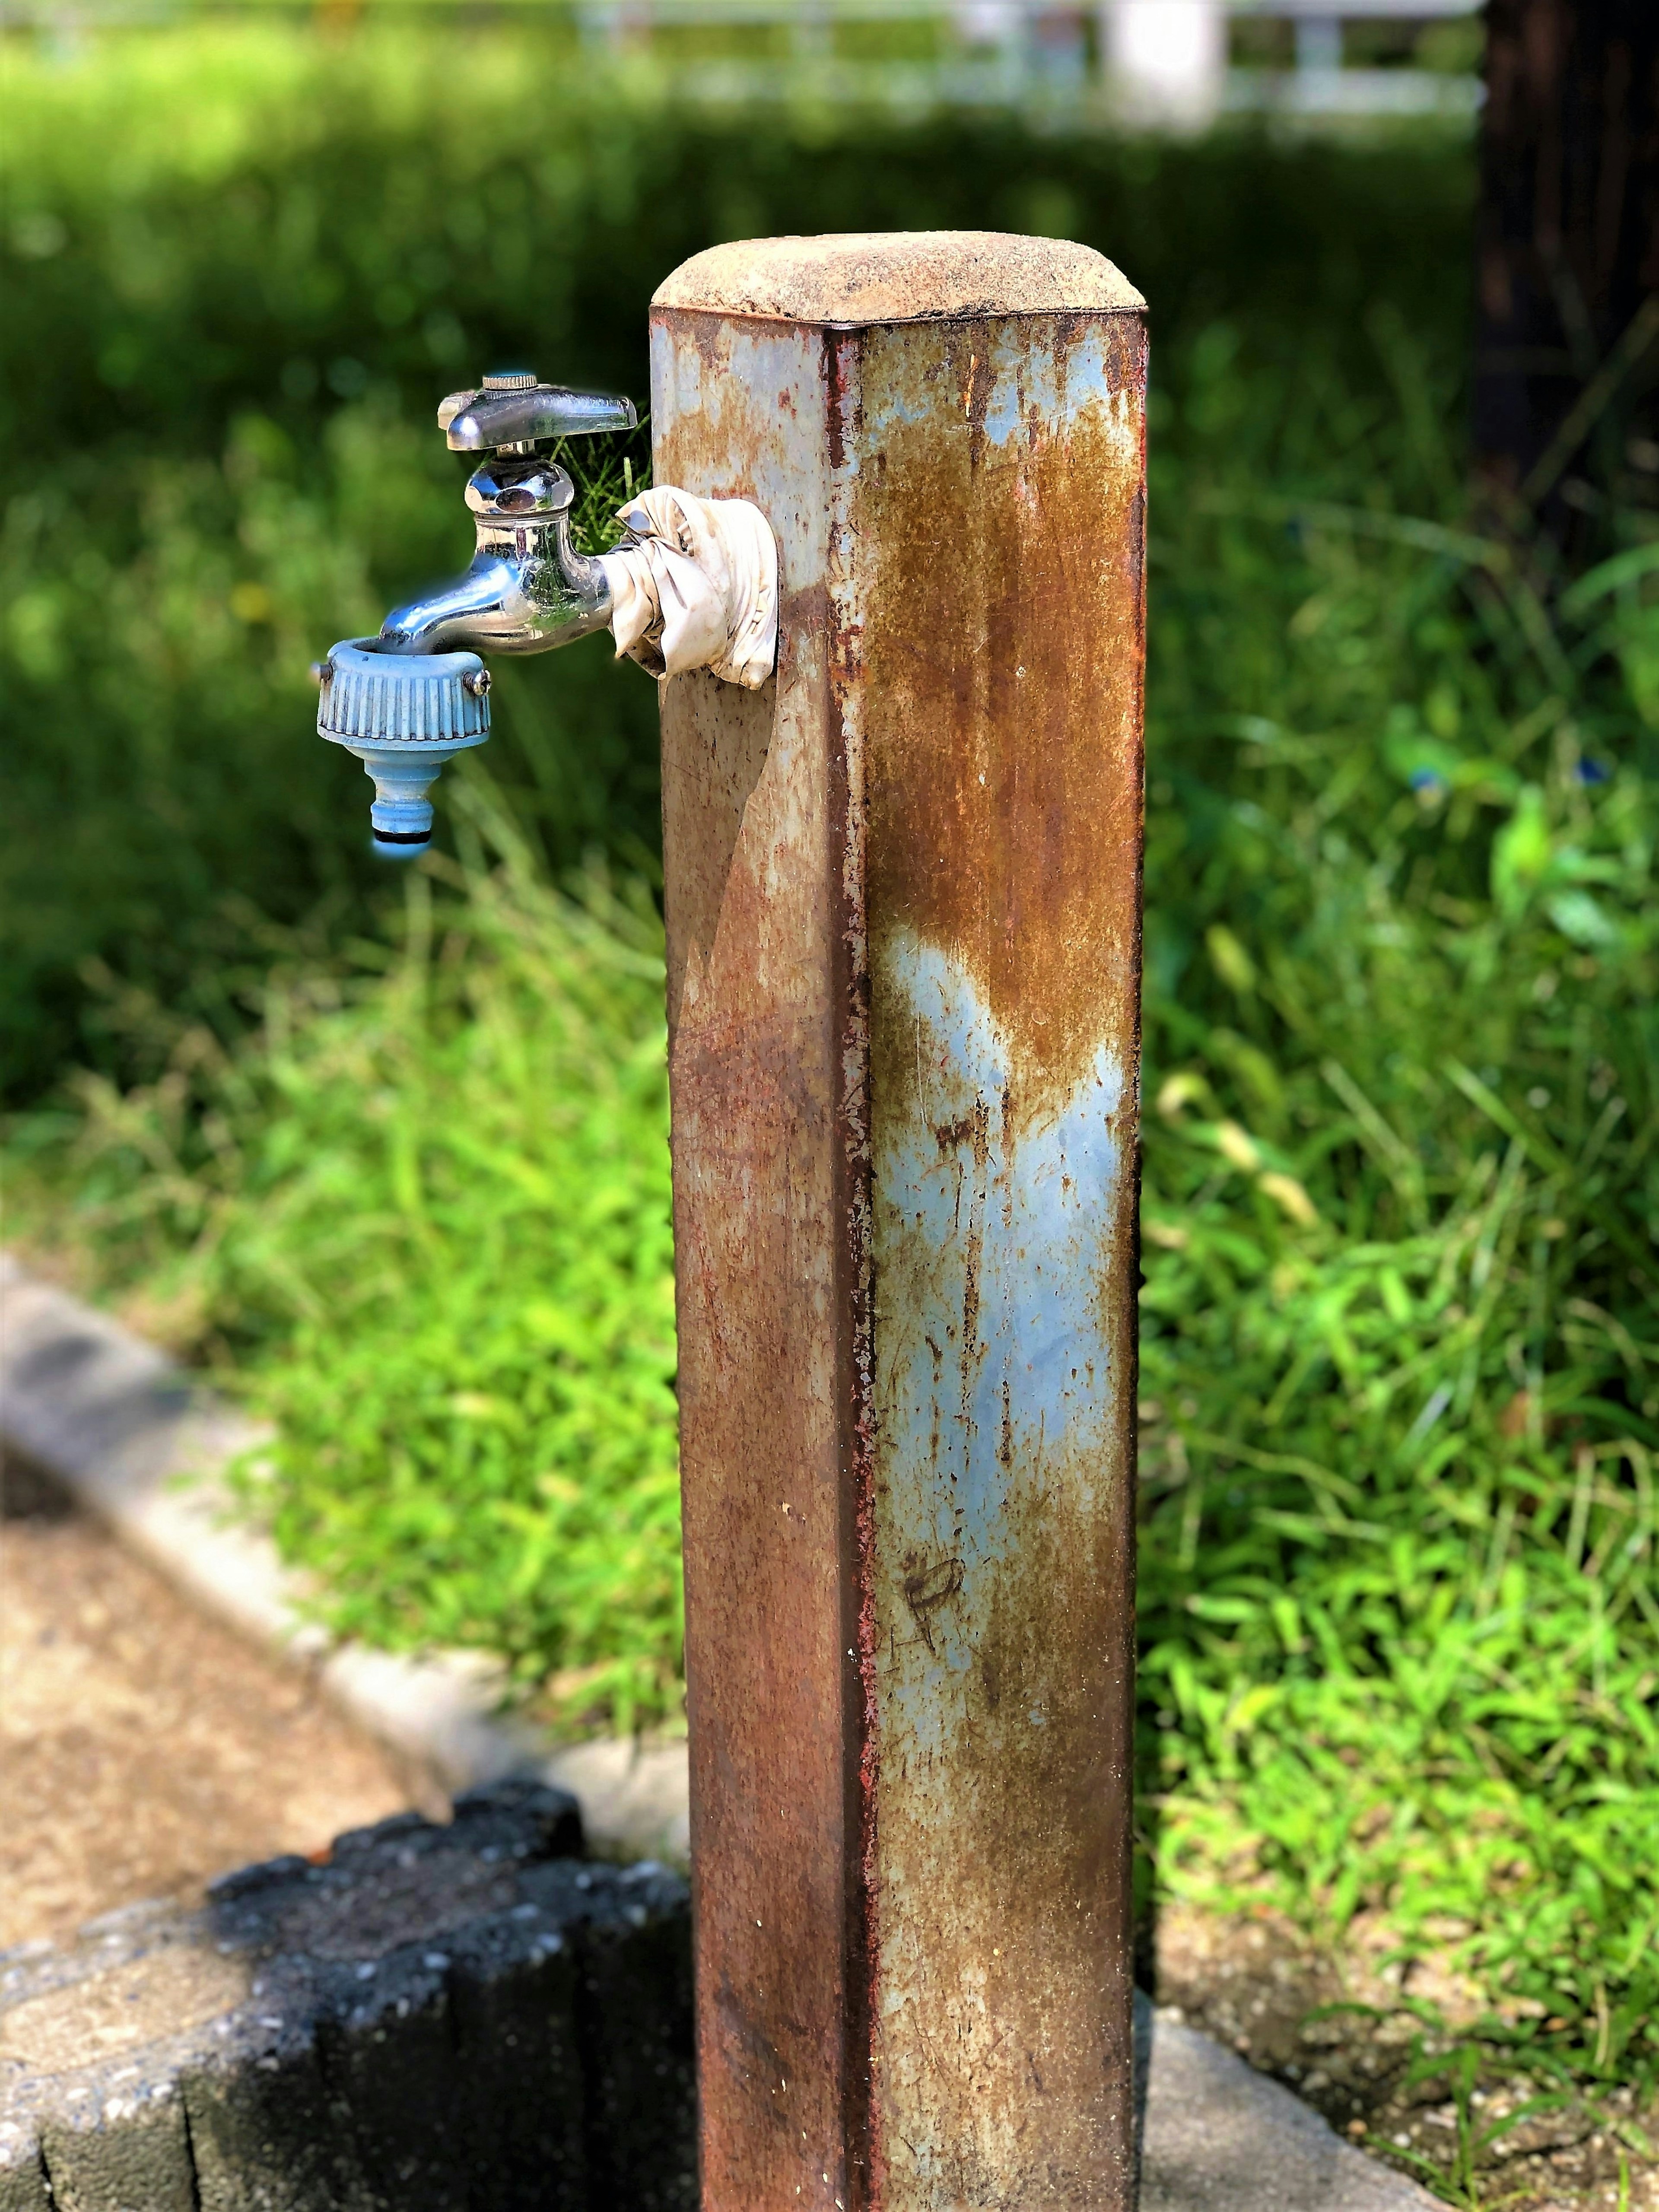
(1218, 2137)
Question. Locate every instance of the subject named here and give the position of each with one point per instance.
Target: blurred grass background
(389, 1157)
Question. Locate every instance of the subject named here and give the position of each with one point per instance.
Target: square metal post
(902, 889)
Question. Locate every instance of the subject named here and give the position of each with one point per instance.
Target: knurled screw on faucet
(510, 380)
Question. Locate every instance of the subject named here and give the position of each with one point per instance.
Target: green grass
(1401, 1644)
(421, 1210)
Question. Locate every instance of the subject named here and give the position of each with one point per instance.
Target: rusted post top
(897, 276)
(903, 900)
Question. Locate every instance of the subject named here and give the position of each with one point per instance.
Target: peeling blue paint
(994, 1365)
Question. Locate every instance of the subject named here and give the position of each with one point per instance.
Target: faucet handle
(514, 408)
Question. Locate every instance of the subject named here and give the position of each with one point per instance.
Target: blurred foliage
(241, 262)
(1402, 1648)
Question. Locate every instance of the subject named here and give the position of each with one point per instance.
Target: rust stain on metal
(765, 997)
(1017, 842)
(1001, 507)
(903, 896)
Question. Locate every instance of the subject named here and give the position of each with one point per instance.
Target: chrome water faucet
(692, 586)
(527, 588)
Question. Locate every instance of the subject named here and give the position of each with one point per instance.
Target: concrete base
(1217, 2138)
(114, 1421)
(437, 2018)
(441, 2016)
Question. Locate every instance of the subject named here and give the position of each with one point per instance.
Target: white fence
(1151, 61)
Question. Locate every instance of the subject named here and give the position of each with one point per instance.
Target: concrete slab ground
(1218, 2137)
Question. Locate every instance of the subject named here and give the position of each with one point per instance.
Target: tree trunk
(1566, 366)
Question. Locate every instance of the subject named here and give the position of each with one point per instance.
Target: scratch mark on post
(927, 1588)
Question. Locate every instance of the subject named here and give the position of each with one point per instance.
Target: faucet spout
(527, 589)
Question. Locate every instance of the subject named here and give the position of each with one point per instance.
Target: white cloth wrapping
(699, 588)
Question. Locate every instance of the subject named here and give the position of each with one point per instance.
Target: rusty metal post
(903, 927)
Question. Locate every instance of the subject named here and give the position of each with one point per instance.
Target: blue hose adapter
(403, 714)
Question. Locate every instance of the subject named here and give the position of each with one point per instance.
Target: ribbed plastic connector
(403, 716)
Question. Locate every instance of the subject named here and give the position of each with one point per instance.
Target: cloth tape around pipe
(697, 588)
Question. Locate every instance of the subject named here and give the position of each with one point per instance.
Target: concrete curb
(117, 1423)
(439, 2016)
